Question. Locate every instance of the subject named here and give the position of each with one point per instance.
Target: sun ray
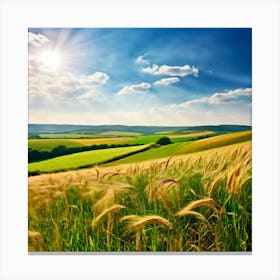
(51, 60)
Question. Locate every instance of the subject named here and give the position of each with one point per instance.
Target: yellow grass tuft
(193, 213)
(114, 209)
(215, 183)
(109, 213)
(208, 201)
(135, 222)
(161, 188)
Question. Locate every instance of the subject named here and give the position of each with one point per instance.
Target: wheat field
(195, 202)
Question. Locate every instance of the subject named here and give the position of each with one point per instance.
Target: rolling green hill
(187, 147)
(35, 129)
(82, 159)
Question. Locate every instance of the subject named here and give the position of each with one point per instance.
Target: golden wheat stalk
(167, 183)
(135, 221)
(193, 213)
(110, 212)
(166, 164)
(208, 201)
(215, 184)
(110, 198)
(115, 208)
(137, 224)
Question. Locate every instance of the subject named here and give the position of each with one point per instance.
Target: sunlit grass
(82, 159)
(196, 202)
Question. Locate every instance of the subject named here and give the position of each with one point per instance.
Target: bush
(163, 141)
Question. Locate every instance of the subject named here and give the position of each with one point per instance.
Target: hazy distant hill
(58, 128)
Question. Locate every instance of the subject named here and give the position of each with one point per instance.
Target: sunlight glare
(51, 59)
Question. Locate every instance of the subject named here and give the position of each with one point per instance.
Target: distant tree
(59, 151)
(163, 141)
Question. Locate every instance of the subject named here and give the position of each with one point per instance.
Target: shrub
(163, 141)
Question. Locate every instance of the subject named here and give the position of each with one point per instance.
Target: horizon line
(140, 125)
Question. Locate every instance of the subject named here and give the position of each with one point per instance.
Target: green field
(80, 160)
(153, 153)
(49, 144)
(165, 132)
(88, 135)
(121, 155)
(188, 147)
(119, 133)
(145, 139)
(67, 135)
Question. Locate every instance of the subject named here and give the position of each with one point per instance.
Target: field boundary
(38, 172)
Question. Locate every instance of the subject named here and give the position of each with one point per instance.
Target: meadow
(196, 202)
(192, 193)
(130, 154)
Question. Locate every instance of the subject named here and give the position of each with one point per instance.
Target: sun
(51, 59)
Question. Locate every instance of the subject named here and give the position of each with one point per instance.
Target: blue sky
(140, 76)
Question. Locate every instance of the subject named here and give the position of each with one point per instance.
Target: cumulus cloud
(231, 96)
(37, 40)
(141, 88)
(96, 79)
(62, 85)
(180, 71)
(167, 81)
(142, 60)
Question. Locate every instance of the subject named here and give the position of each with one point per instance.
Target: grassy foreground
(196, 202)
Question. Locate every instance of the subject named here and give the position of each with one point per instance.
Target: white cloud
(142, 88)
(37, 40)
(171, 70)
(231, 96)
(167, 81)
(142, 60)
(189, 103)
(96, 79)
(61, 85)
(88, 96)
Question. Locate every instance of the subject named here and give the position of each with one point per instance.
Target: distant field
(82, 159)
(187, 147)
(216, 141)
(153, 153)
(67, 135)
(120, 133)
(49, 144)
(145, 139)
(89, 135)
(165, 132)
(194, 134)
(98, 141)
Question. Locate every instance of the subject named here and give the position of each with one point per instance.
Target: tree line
(61, 150)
